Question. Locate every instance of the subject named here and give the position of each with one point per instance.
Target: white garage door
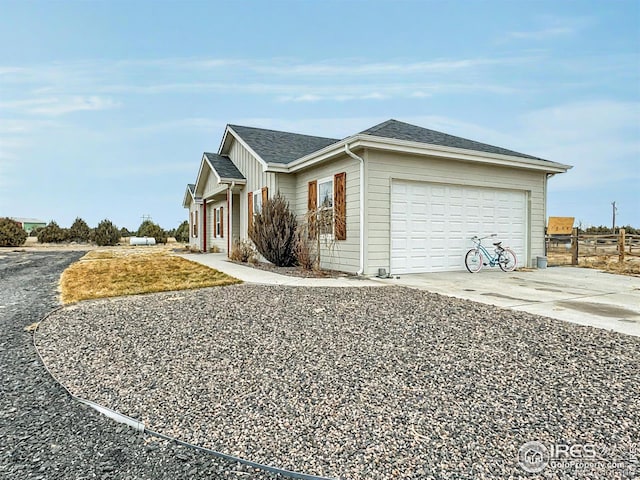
(431, 224)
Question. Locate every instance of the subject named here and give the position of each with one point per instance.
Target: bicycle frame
(493, 261)
(479, 255)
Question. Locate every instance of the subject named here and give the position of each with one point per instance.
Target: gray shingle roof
(224, 167)
(405, 131)
(191, 187)
(281, 147)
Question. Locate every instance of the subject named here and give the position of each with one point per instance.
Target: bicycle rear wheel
(473, 260)
(507, 261)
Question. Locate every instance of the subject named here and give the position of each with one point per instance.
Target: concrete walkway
(220, 262)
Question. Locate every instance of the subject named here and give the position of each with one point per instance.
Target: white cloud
(308, 92)
(600, 138)
(312, 97)
(73, 104)
(203, 124)
(542, 34)
(552, 28)
(359, 68)
(146, 170)
(338, 80)
(55, 106)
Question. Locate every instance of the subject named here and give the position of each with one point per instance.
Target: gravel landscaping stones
(354, 383)
(44, 434)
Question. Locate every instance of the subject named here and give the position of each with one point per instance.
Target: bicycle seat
(497, 244)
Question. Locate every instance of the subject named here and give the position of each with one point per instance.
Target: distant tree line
(602, 230)
(104, 234)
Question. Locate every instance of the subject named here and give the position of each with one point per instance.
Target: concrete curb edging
(140, 427)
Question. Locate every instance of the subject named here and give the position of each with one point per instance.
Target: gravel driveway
(47, 435)
(355, 383)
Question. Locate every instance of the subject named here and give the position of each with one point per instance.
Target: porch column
(229, 219)
(204, 226)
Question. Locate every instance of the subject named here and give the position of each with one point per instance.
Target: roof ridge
(429, 136)
(379, 126)
(282, 131)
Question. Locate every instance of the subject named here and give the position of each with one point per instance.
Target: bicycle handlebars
(475, 237)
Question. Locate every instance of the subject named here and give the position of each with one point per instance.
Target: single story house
(410, 197)
(29, 224)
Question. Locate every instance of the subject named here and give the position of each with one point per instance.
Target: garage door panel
(431, 223)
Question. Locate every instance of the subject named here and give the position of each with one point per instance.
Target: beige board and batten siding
(257, 178)
(286, 185)
(344, 255)
(214, 240)
(384, 167)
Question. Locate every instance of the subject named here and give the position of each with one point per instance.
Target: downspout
(546, 193)
(361, 160)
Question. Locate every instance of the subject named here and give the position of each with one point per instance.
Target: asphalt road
(48, 435)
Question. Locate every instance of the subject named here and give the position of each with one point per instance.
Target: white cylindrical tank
(142, 241)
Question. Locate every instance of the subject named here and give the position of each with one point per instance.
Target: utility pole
(613, 228)
(146, 217)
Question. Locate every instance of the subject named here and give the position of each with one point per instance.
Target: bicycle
(504, 257)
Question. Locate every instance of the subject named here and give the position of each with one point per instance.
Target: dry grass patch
(630, 266)
(132, 271)
(609, 263)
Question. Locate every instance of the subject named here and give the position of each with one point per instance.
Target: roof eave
(321, 155)
(237, 181)
(187, 198)
(203, 162)
(418, 148)
(188, 194)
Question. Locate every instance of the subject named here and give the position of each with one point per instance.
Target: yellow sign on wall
(560, 225)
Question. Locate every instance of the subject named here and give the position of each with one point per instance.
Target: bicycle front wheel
(473, 260)
(507, 261)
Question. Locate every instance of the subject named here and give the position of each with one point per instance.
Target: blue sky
(106, 107)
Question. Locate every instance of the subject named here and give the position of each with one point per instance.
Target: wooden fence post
(574, 246)
(621, 240)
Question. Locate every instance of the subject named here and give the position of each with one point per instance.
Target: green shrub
(124, 232)
(106, 233)
(274, 232)
(79, 231)
(52, 233)
(150, 229)
(35, 231)
(11, 233)
(182, 232)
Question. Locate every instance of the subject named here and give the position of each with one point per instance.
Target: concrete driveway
(579, 295)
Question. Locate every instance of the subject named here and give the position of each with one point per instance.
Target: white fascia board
(278, 168)
(235, 135)
(459, 154)
(203, 162)
(187, 197)
(237, 181)
(326, 153)
(418, 148)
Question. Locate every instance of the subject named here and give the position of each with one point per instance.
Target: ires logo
(573, 452)
(534, 457)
